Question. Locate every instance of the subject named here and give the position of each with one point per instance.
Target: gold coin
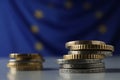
(92, 47)
(30, 59)
(25, 68)
(85, 56)
(23, 64)
(16, 55)
(25, 60)
(70, 43)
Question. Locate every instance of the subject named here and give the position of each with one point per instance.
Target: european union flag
(27, 26)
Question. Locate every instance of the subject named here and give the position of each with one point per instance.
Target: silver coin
(78, 61)
(94, 70)
(82, 66)
(106, 53)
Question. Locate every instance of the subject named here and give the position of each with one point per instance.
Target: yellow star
(38, 46)
(38, 14)
(87, 6)
(102, 29)
(68, 4)
(99, 14)
(34, 29)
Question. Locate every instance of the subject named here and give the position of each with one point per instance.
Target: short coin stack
(25, 62)
(85, 57)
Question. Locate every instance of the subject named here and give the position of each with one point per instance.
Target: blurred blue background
(27, 26)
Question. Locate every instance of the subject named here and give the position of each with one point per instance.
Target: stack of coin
(85, 57)
(25, 62)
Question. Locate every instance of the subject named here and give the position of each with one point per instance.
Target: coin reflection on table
(24, 75)
(85, 76)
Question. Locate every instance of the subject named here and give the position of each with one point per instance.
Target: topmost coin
(23, 56)
(94, 42)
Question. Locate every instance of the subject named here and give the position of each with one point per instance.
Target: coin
(92, 47)
(94, 70)
(25, 62)
(32, 56)
(85, 56)
(17, 55)
(25, 68)
(32, 60)
(82, 66)
(18, 64)
(78, 61)
(70, 43)
(106, 53)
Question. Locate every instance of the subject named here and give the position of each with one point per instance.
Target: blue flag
(44, 26)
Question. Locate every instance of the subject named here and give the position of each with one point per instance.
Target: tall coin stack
(25, 62)
(85, 57)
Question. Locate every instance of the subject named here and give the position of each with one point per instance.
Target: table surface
(51, 72)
